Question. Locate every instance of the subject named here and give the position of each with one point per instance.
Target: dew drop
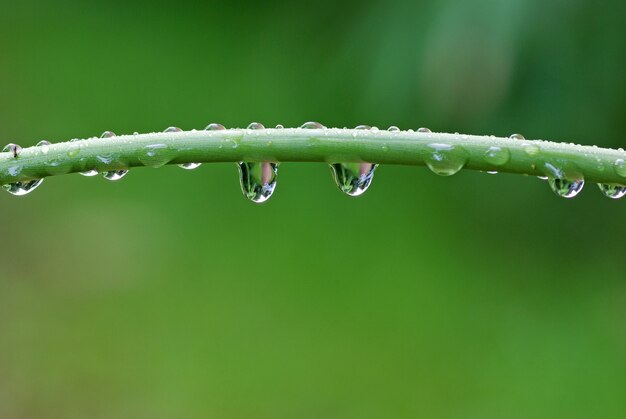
(564, 183)
(45, 146)
(256, 125)
(424, 130)
(612, 190)
(312, 125)
(353, 178)
(23, 187)
(445, 159)
(620, 167)
(531, 149)
(258, 180)
(186, 166)
(113, 174)
(497, 155)
(73, 150)
(215, 127)
(280, 126)
(517, 137)
(172, 129)
(14, 149)
(393, 128)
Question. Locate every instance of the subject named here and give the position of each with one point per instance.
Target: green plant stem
(529, 157)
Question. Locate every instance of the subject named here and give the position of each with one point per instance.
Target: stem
(530, 157)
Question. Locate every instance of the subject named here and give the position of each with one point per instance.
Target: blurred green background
(168, 295)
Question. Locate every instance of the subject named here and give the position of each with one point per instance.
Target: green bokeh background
(167, 294)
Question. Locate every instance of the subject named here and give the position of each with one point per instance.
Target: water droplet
(155, 155)
(23, 187)
(620, 167)
(172, 129)
(517, 137)
(45, 146)
(215, 127)
(186, 166)
(353, 178)
(14, 149)
(279, 126)
(612, 190)
(258, 180)
(565, 183)
(531, 149)
(497, 155)
(445, 159)
(113, 174)
(312, 125)
(256, 125)
(393, 128)
(424, 130)
(73, 150)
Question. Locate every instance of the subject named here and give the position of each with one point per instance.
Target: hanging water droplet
(497, 155)
(45, 146)
(353, 178)
(113, 174)
(424, 130)
(445, 159)
(14, 149)
(22, 187)
(566, 183)
(393, 128)
(620, 167)
(517, 137)
(612, 190)
(258, 180)
(312, 125)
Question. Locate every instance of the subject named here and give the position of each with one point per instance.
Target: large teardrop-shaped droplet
(566, 182)
(258, 180)
(113, 174)
(353, 178)
(612, 190)
(22, 187)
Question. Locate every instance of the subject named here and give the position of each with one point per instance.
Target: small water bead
(620, 167)
(280, 126)
(14, 149)
(393, 128)
(353, 178)
(530, 149)
(612, 190)
(45, 146)
(312, 125)
(112, 175)
(155, 155)
(497, 155)
(215, 127)
(258, 180)
(256, 125)
(424, 130)
(445, 159)
(517, 137)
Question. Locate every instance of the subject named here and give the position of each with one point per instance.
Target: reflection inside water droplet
(353, 178)
(257, 180)
(612, 190)
(566, 183)
(23, 187)
(497, 155)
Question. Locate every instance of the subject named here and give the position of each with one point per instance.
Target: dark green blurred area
(168, 295)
